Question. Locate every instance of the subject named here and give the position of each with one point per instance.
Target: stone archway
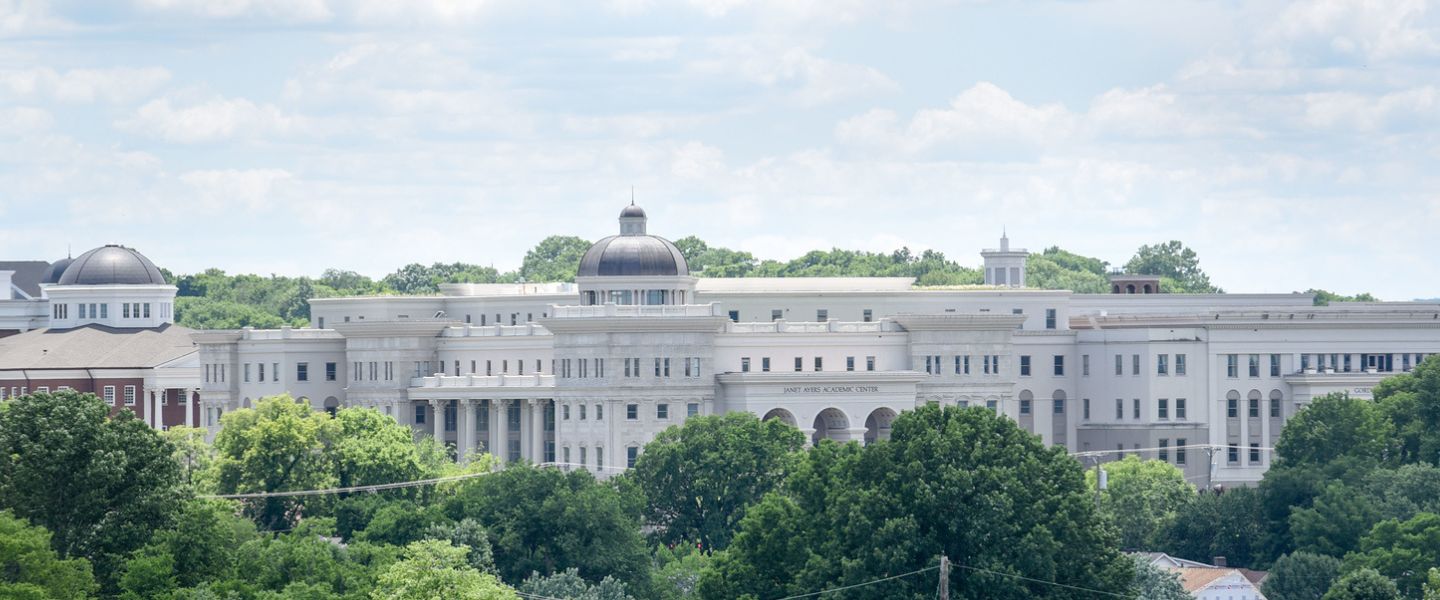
(877, 425)
(332, 405)
(832, 423)
(782, 414)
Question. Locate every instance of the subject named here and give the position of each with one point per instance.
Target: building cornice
(405, 328)
(800, 377)
(958, 322)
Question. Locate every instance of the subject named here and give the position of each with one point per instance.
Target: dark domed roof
(633, 256)
(632, 211)
(52, 274)
(112, 265)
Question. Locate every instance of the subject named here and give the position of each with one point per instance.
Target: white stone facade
(562, 377)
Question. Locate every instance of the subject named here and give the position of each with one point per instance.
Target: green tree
(100, 485)
(1324, 298)
(569, 585)
(1231, 524)
(677, 570)
(1335, 522)
(201, 545)
(963, 482)
(1141, 498)
(193, 454)
(1411, 401)
(555, 258)
(1404, 551)
(276, 446)
(699, 477)
(545, 520)
(1363, 584)
(29, 568)
(1333, 426)
(1155, 583)
(1301, 576)
(434, 569)
(1177, 266)
(1432, 585)
(399, 523)
(470, 534)
(207, 313)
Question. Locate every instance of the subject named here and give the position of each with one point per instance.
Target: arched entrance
(832, 424)
(332, 405)
(782, 414)
(877, 425)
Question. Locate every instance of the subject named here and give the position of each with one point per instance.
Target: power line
(1031, 579)
(871, 582)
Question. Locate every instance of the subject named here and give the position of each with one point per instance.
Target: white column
(190, 395)
(537, 446)
(147, 401)
(465, 430)
(502, 430)
(437, 420)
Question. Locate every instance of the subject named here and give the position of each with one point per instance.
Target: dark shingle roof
(95, 347)
(28, 276)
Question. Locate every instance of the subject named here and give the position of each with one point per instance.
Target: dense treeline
(215, 300)
(1351, 500)
(721, 507)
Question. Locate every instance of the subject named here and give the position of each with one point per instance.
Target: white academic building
(587, 373)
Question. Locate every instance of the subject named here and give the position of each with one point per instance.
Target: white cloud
(1404, 111)
(79, 86)
(1373, 29)
(29, 17)
(368, 12)
(253, 189)
(295, 11)
(216, 119)
(803, 77)
(21, 120)
(982, 120)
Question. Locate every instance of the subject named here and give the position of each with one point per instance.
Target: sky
(1293, 145)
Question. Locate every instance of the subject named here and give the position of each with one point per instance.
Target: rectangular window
(695, 365)
(1254, 408)
(1254, 453)
(631, 454)
(330, 368)
(662, 411)
(565, 412)
(1162, 408)
(744, 365)
(869, 363)
(147, 310)
(849, 363)
(1119, 365)
(599, 412)
(1024, 406)
(247, 372)
(261, 369)
(1165, 449)
(734, 316)
(765, 364)
(692, 409)
(566, 453)
(1024, 365)
(1120, 409)
(109, 394)
(1274, 408)
(799, 364)
(129, 395)
(1180, 451)
(1085, 408)
(822, 315)
(274, 371)
(1049, 318)
(1180, 408)
(1136, 410)
(632, 412)
(1059, 365)
(1085, 365)
(104, 311)
(1232, 454)
(1254, 365)
(1134, 364)
(776, 315)
(125, 310)
(584, 456)
(419, 414)
(1179, 364)
(1162, 364)
(1232, 365)
(867, 315)
(929, 366)
(582, 412)
(1275, 365)
(1232, 408)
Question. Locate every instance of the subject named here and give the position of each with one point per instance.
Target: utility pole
(944, 577)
